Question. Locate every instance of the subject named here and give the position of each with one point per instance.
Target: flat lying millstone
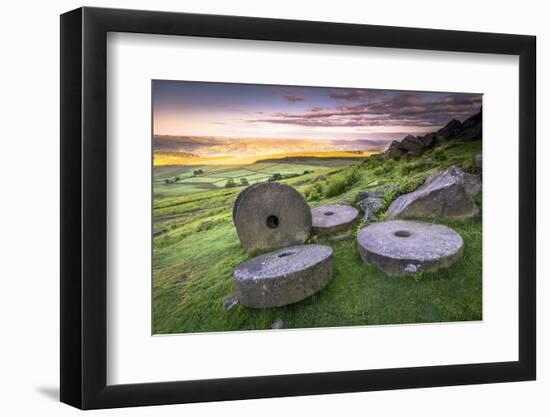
(328, 220)
(271, 215)
(284, 276)
(403, 247)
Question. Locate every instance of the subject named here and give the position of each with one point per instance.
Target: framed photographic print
(257, 208)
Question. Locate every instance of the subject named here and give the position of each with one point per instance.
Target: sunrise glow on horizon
(187, 108)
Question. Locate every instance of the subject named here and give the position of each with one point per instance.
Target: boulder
(446, 195)
(428, 140)
(451, 130)
(371, 206)
(393, 151)
(412, 145)
(472, 127)
(403, 247)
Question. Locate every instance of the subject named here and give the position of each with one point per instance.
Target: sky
(190, 108)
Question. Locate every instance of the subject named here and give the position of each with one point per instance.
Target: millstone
(271, 215)
(284, 276)
(240, 196)
(327, 220)
(402, 247)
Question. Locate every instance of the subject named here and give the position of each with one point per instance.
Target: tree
(230, 183)
(198, 172)
(276, 177)
(176, 179)
(244, 181)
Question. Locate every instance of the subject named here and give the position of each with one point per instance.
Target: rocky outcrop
(446, 195)
(393, 151)
(451, 130)
(412, 145)
(470, 129)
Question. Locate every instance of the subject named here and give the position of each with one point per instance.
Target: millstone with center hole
(271, 215)
(328, 220)
(403, 247)
(284, 276)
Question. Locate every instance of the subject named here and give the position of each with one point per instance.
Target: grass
(193, 260)
(182, 180)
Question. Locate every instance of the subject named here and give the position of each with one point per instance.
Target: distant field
(162, 159)
(165, 183)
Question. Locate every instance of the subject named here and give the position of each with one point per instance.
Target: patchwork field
(174, 180)
(196, 247)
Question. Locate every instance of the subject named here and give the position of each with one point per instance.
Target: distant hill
(168, 143)
(219, 146)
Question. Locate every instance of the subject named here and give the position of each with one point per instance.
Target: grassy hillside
(197, 250)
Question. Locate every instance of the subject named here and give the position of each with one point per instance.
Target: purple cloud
(383, 108)
(293, 99)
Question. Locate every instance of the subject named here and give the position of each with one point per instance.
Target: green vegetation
(230, 183)
(193, 260)
(175, 181)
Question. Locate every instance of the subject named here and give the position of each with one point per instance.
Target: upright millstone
(403, 247)
(333, 220)
(271, 215)
(284, 276)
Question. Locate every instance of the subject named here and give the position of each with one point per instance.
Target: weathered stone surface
(393, 151)
(371, 206)
(472, 127)
(284, 276)
(450, 131)
(429, 140)
(329, 220)
(412, 144)
(271, 215)
(240, 196)
(403, 247)
(446, 195)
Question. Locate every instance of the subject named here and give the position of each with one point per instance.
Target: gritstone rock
(284, 276)
(402, 247)
(271, 215)
(446, 195)
(328, 220)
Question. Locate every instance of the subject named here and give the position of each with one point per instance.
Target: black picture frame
(84, 207)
